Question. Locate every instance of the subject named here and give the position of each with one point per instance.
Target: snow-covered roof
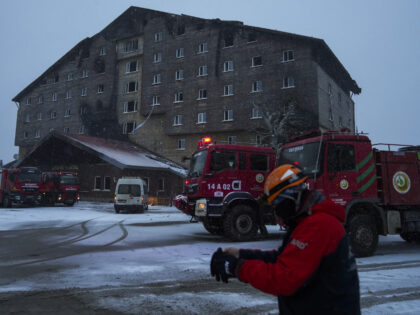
(121, 154)
(126, 154)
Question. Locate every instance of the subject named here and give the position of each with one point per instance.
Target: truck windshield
(305, 156)
(29, 177)
(198, 161)
(127, 189)
(69, 180)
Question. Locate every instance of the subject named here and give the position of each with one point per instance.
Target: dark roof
(121, 154)
(132, 19)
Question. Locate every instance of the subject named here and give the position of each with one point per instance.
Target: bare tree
(283, 119)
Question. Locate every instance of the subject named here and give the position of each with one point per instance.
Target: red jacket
(314, 267)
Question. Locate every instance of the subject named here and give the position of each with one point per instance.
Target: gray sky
(377, 41)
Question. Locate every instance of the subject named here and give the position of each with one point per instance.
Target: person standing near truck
(314, 271)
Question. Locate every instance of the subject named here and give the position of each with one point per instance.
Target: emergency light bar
(205, 141)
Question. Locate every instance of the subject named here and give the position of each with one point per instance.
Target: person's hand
(222, 265)
(232, 251)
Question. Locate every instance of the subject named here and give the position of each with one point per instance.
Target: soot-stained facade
(186, 77)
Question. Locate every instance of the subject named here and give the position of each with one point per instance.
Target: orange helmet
(281, 178)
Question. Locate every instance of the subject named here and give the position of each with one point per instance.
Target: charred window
(228, 40)
(221, 160)
(341, 158)
(252, 37)
(258, 162)
(180, 29)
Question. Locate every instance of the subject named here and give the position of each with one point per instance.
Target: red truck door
(340, 180)
(258, 169)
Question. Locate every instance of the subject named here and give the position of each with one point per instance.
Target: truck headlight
(201, 208)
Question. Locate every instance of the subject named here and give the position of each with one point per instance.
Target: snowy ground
(88, 260)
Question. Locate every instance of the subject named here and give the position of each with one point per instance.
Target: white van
(131, 195)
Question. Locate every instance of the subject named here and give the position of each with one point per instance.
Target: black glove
(222, 265)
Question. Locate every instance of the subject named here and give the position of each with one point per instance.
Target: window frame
(228, 90)
(253, 62)
(177, 120)
(126, 106)
(228, 115)
(202, 118)
(181, 144)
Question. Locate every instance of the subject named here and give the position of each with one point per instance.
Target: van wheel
(363, 235)
(240, 224)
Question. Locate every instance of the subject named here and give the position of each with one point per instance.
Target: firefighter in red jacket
(314, 271)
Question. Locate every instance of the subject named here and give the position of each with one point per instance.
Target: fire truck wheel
(363, 235)
(213, 227)
(240, 224)
(6, 202)
(411, 237)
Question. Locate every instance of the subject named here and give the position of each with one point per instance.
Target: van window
(127, 189)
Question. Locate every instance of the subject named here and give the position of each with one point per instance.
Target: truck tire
(6, 202)
(240, 224)
(212, 228)
(363, 235)
(411, 237)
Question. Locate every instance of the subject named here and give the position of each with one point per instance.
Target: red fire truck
(20, 186)
(222, 185)
(380, 189)
(61, 187)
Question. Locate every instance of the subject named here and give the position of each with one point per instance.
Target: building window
(180, 52)
(156, 100)
(256, 113)
(252, 37)
(202, 48)
(157, 79)
(202, 94)
(158, 37)
(288, 55)
(228, 115)
(40, 99)
(102, 51)
(256, 86)
(228, 90)
(38, 133)
(181, 144)
(85, 73)
(81, 130)
(39, 116)
(228, 40)
(25, 135)
(130, 87)
(201, 118)
(27, 117)
(66, 130)
(98, 182)
(180, 29)
(68, 94)
(130, 106)
(232, 139)
(84, 91)
(54, 96)
(67, 112)
(132, 66)
(128, 127)
(330, 115)
(161, 184)
(157, 57)
(53, 115)
(177, 120)
(256, 61)
(107, 183)
(288, 82)
(228, 66)
(179, 97)
(258, 139)
(340, 121)
(100, 88)
(202, 71)
(131, 45)
(179, 75)
(28, 101)
(69, 76)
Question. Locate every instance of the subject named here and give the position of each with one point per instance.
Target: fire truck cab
(222, 185)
